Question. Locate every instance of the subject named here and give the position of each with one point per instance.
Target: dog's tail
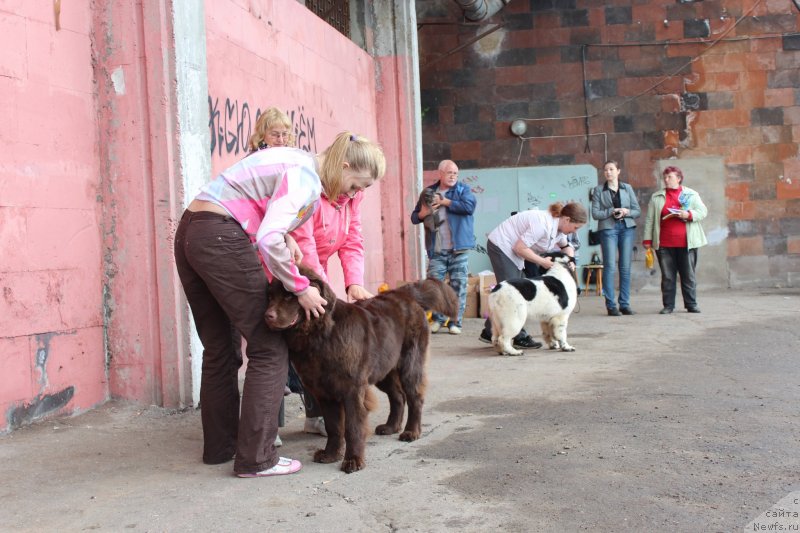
(370, 401)
(433, 295)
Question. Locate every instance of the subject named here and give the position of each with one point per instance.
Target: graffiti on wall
(231, 123)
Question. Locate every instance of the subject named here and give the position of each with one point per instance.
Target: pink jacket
(335, 228)
(270, 193)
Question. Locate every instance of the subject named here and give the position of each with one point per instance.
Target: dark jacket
(459, 216)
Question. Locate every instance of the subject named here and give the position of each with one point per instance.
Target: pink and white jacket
(336, 228)
(270, 193)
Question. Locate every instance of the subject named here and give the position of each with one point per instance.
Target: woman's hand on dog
(357, 292)
(312, 302)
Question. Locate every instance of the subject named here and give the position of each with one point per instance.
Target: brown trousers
(225, 285)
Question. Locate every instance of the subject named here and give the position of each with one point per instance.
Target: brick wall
(663, 80)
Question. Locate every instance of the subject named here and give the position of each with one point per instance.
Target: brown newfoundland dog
(381, 341)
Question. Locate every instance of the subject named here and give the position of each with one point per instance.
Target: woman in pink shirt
(336, 229)
(239, 219)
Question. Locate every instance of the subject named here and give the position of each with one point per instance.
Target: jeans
(444, 263)
(225, 286)
(674, 262)
(613, 242)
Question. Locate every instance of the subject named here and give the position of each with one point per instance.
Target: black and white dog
(549, 299)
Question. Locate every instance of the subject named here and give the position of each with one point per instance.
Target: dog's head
(284, 310)
(561, 257)
(568, 262)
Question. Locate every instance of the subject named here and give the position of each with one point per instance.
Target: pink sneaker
(284, 466)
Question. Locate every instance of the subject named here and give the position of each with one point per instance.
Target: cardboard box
(486, 280)
(471, 310)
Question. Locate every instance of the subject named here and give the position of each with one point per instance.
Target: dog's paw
(353, 464)
(321, 456)
(408, 436)
(567, 348)
(555, 345)
(386, 429)
(512, 352)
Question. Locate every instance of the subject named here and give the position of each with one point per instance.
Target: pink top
(270, 193)
(336, 229)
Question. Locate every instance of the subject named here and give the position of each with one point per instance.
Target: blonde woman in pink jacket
(335, 228)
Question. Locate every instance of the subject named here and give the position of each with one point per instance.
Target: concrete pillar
(141, 186)
(399, 127)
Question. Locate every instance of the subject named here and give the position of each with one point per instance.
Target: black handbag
(594, 238)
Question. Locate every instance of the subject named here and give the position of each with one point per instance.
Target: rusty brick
(435, 152)
(791, 42)
(745, 228)
(623, 123)
(754, 25)
(768, 171)
(466, 163)
(751, 245)
(719, 100)
(776, 135)
(774, 245)
(783, 78)
(465, 150)
(762, 191)
(742, 172)
(766, 116)
(463, 114)
(737, 191)
(584, 35)
(516, 56)
(786, 190)
(696, 28)
(556, 159)
(618, 14)
(724, 81)
(574, 17)
(518, 21)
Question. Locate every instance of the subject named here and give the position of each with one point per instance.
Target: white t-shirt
(537, 229)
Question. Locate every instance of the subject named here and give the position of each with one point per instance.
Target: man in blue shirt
(445, 209)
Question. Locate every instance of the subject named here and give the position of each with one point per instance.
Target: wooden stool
(598, 284)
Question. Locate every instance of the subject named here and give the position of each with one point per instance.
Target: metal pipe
(476, 10)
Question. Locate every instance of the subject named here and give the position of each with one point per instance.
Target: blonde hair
(269, 119)
(575, 211)
(361, 153)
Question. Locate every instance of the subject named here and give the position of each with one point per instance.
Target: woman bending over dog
(523, 237)
(258, 201)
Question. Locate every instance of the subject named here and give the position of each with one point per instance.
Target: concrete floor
(656, 423)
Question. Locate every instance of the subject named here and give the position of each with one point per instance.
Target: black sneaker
(627, 311)
(613, 311)
(665, 311)
(693, 309)
(526, 342)
(485, 337)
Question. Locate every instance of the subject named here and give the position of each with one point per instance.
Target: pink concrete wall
(263, 54)
(90, 183)
(51, 312)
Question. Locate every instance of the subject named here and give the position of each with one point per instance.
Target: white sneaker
(455, 330)
(435, 326)
(278, 441)
(315, 425)
(284, 466)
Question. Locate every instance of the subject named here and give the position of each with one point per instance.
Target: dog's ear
(324, 289)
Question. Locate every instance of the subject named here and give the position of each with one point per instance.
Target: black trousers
(676, 262)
